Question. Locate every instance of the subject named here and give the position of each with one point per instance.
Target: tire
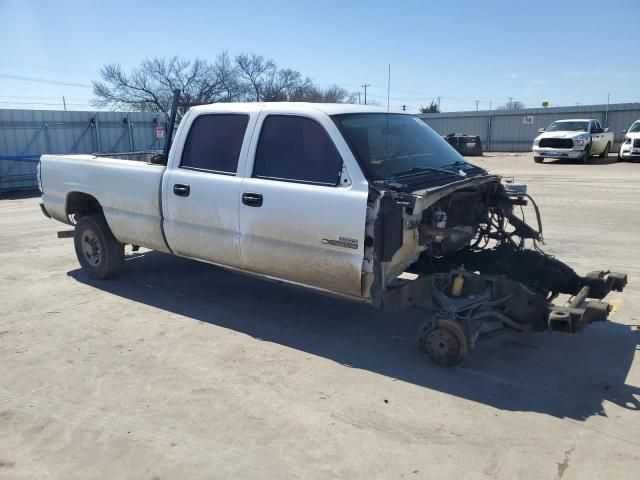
(99, 253)
(587, 154)
(607, 149)
(538, 159)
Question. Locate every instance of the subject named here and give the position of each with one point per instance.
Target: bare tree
(250, 77)
(150, 86)
(432, 108)
(511, 105)
(255, 70)
(281, 84)
(226, 73)
(337, 94)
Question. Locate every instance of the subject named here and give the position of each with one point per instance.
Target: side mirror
(541, 130)
(623, 131)
(606, 129)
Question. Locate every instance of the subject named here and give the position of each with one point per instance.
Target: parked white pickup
(576, 139)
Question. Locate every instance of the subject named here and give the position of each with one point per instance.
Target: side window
(296, 149)
(214, 143)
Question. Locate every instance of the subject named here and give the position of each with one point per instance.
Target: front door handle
(252, 199)
(181, 190)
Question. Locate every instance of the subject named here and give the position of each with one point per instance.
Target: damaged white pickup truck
(346, 200)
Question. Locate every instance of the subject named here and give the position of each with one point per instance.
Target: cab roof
(302, 107)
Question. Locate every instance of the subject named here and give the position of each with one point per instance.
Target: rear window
(214, 143)
(296, 149)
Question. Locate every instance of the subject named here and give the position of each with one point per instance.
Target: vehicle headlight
(536, 142)
(581, 141)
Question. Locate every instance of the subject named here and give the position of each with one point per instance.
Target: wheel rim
(91, 248)
(443, 346)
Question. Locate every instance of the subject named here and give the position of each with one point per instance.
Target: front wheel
(587, 154)
(99, 253)
(607, 149)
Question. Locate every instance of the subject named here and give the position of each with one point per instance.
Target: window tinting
(214, 142)
(387, 145)
(298, 149)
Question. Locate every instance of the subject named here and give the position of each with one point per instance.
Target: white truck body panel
(306, 234)
(128, 191)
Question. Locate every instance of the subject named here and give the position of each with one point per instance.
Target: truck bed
(127, 190)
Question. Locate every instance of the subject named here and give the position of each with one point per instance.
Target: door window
(214, 143)
(297, 149)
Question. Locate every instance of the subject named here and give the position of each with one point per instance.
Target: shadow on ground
(593, 161)
(558, 374)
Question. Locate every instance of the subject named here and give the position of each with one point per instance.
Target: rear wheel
(445, 343)
(99, 253)
(538, 159)
(607, 149)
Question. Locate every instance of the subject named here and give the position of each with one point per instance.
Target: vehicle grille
(556, 143)
(436, 179)
(636, 143)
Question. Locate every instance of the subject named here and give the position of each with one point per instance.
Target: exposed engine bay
(465, 253)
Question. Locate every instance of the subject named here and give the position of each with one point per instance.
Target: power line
(43, 80)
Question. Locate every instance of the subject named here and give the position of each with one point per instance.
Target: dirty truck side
(346, 200)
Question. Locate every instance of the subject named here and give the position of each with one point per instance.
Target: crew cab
(630, 148)
(347, 200)
(576, 139)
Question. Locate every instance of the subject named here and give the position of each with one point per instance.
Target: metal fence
(27, 134)
(514, 130)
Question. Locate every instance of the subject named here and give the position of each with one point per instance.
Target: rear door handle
(181, 190)
(252, 199)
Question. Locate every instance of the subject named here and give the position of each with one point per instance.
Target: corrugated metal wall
(27, 134)
(514, 130)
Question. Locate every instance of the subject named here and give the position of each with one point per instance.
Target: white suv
(630, 148)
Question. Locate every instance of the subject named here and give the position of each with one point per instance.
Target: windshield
(568, 127)
(390, 144)
(635, 128)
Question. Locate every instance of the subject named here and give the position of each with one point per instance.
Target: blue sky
(566, 52)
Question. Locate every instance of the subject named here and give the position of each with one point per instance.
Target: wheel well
(79, 204)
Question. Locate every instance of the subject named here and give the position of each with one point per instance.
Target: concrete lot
(178, 369)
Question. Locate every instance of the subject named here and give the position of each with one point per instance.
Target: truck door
(302, 219)
(597, 138)
(202, 189)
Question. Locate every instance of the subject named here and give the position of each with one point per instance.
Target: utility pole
(510, 105)
(439, 103)
(404, 108)
(477, 101)
(365, 91)
(64, 104)
(359, 101)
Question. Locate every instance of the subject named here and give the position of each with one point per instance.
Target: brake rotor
(446, 344)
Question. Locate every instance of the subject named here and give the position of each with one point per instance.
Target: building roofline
(533, 111)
